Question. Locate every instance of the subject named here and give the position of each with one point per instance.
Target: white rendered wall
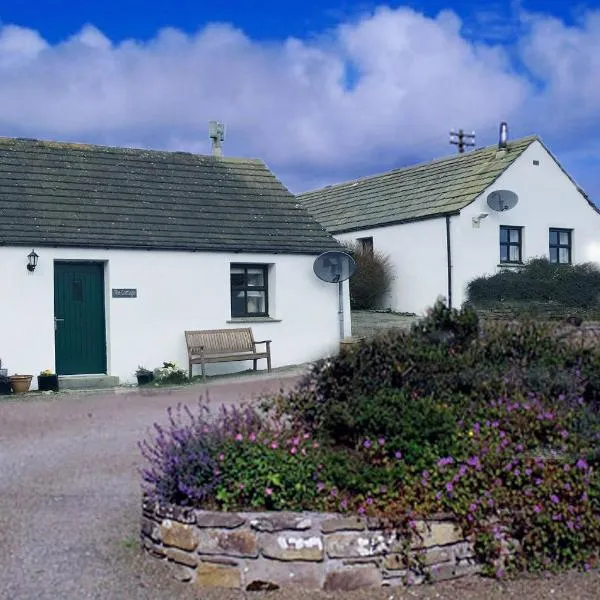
(176, 291)
(547, 198)
(418, 253)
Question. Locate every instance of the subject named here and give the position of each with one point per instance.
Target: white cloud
(412, 79)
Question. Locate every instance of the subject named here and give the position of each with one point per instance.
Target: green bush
(371, 280)
(421, 428)
(497, 425)
(539, 281)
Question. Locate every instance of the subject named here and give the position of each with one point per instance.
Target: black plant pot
(145, 378)
(5, 388)
(47, 383)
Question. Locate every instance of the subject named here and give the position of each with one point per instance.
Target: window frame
(366, 244)
(558, 245)
(246, 288)
(508, 244)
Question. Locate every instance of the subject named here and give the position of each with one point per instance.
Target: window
(560, 246)
(366, 244)
(511, 242)
(249, 290)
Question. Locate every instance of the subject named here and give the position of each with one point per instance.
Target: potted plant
(20, 383)
(47, 381)
(5, 385)
(144, 376)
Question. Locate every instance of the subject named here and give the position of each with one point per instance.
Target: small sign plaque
(124, 293)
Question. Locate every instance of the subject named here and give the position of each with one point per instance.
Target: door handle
(56, 323)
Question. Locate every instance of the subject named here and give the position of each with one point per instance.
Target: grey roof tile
(427, 190)
(63, 194)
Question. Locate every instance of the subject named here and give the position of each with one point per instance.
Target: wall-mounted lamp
(32, 261)
(476, 220)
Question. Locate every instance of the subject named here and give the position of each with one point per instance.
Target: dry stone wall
(267, 551)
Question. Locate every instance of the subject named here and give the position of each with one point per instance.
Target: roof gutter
(335, 231)
(449, 260)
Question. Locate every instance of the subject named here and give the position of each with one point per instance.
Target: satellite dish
(501, 200)
(334, 266)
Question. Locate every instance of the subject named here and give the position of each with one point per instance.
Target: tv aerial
(335, 267)
(502, 200)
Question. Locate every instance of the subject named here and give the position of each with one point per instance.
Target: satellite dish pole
(335, 267)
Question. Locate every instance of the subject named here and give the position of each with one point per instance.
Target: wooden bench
(224, 345)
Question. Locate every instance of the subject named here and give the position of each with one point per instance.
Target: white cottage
(442, 224)
(135, 246)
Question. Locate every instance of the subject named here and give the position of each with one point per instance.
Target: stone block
(153, 549)
(181, 557)
(210, 575)
(291, 547)
(281, 522)
(436, 534)
(357, 545)
(394, 562)
(463, 550)
(173, 512)
(451, 571)
(219, 560)
(180, 573)
(343, 524)
(435, 556)
(222, 520)
(150, 529)
(240, 543)
(178, 535)
(354, 578)
(279, 574)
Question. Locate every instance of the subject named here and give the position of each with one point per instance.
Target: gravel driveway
(70, 504)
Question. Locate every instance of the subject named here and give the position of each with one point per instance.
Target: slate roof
(440, 187)
(63, 194)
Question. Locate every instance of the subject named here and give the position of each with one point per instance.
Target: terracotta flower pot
(20, 383)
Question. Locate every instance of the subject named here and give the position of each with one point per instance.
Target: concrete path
(70, 492)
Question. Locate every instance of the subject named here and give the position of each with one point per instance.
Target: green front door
(79, 323)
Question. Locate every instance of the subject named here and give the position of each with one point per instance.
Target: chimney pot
(503, 138)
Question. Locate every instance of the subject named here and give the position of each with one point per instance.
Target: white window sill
(510, 265)
(253, 320)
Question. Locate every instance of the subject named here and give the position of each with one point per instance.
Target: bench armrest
(263, 342)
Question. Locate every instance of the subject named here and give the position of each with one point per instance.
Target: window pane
(564, 238)
(238, 304)
(514, 253)
(257, 302)
(503, 235)
(563, 255)
(238, 278)
(553, 238)
(503, 253)
(553, 255)
(256, 277)
(514, 235)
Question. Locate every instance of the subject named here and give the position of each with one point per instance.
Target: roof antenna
(216, 132)
(503, 141)
(462, 139)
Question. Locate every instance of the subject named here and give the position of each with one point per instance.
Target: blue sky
(323, 91)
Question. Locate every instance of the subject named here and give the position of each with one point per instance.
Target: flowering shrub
(498, 428)
(170, 373)
(523, 481)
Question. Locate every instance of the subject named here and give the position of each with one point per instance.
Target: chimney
(216, 132)
(502, 140)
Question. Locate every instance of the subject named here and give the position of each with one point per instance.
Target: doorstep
(87, 382)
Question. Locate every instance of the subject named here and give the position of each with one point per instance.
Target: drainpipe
(449, 259)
